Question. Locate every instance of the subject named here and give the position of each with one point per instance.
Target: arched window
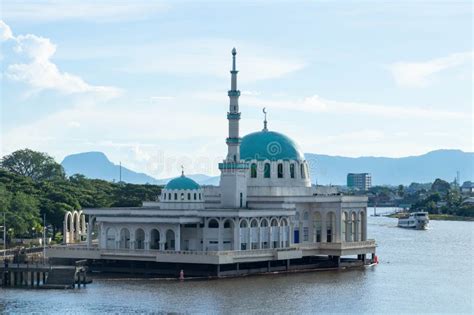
(266, 170)
(164, 196)
(199, 196)
(175, 196)
(155, 239)
(292, 170)
(303, 175)
(280, 170)
(243, 224)
(124, 238)
(169, 196)
(253, 170)
(182, 196)
(305, 216)
(254, 223)
(139, 239)
(195, 196)
(228, 224)
(213, 224)
(189, 196)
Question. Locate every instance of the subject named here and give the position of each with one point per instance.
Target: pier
(43, 276)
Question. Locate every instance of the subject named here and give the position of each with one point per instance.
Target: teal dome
(182, 182)
(269, 145)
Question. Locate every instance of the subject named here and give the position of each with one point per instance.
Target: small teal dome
(182, 182)
(269, 145)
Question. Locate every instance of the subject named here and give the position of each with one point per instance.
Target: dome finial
(182, 170)
(265, 121)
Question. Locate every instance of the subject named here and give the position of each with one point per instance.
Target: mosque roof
(269, 145)
(182, 183)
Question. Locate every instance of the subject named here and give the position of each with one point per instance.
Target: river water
(419, 272)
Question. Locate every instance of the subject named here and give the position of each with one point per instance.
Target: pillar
(177, 238)
(146, 241)
(324, 232)
(236, 242)
(337, 233)
(219, 235)
(90, 227)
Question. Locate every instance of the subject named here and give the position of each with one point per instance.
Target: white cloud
(317, 104)
(97, 10)
(40, 73)
(5, 32)
(420, 74)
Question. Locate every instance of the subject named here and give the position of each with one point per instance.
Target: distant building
(467, 187)
(361, 181)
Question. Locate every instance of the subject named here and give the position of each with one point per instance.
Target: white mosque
(264, 216)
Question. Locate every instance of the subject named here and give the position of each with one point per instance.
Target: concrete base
(172, 270)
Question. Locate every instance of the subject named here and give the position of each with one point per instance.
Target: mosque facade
(265, 215)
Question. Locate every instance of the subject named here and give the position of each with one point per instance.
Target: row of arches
(74, 227)
(214, 223)
(164, 239)
(353, 226)
(314, 226)
(182, 196)
(294, 170)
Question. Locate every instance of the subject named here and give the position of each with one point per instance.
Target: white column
(90, 227)
(236, 242)
(177, 238)
(219, 234)
(324, 232)
(338, 227)
(162, 237)
(147, 240)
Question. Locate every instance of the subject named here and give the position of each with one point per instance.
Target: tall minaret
(233, 141)
(233, 183)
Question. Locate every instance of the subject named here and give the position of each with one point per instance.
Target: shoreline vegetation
(436, 217)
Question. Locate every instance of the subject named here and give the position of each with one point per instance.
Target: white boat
(415, 220)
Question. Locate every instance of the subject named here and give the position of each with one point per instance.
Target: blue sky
(146, 81)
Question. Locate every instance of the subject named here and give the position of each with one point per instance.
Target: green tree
(400, 191)
(36, 165)
(440, 186)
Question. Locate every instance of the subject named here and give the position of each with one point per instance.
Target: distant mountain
(324, 169)
(97, 165)
(424, 168)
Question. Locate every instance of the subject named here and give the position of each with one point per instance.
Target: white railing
(253, 252)
(337, 246)
(170, 252)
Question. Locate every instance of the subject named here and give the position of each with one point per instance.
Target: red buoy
(376, 259)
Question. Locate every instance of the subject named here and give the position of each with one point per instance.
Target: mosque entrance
(296, 237)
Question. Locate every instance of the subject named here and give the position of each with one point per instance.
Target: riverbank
(442, 217)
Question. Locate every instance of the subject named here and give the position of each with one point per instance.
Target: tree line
(439, 197)
(33, 184)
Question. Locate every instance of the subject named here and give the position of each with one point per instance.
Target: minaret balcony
(233, 140)
(234, 166)
(233, 93)
(234, 116)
